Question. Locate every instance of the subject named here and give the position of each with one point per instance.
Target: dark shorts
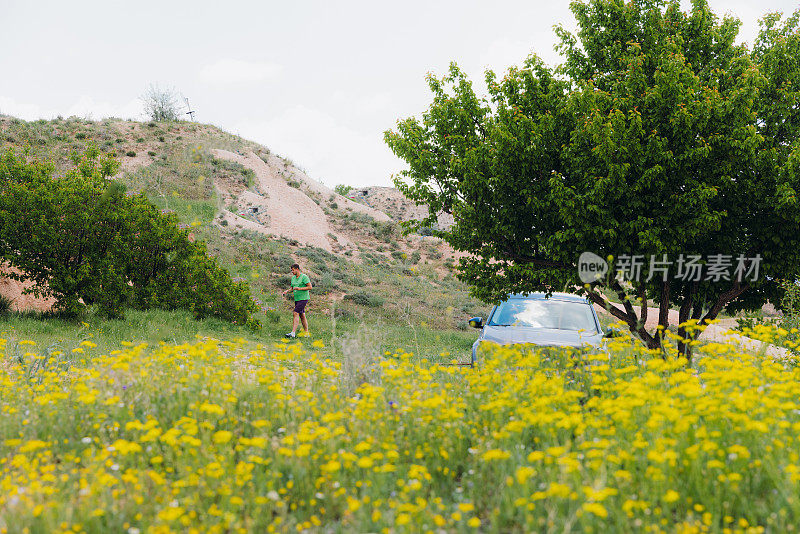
(300, 306)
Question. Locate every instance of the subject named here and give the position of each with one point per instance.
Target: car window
(544, 313)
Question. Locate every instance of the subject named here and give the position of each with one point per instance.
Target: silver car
(561, 320)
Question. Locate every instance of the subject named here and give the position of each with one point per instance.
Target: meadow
(226, 434)
(157, 422)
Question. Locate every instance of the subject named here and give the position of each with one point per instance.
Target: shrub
(283, 262)
(283, 281)
(106, 247)
(353, 280)
(130, 154)
(342, 189)
(365, 299)
(5, 304)
(384, 231)
(316, 254)
(160, 104)
(343, 313)
(325, 285)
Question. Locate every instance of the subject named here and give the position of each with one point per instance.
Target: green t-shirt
(300, 281)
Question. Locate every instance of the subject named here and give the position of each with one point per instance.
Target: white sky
(315, 81)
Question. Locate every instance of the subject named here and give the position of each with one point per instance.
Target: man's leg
(305, 323)
(295, 322)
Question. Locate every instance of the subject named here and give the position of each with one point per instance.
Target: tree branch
(663, 306)
(732, 293)
(536, 261)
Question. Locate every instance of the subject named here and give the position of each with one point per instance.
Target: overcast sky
(315, 81)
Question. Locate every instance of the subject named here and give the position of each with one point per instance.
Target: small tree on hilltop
(160, 104)
(657, 136)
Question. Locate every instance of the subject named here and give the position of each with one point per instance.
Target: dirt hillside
(391, 201)
(293, 212)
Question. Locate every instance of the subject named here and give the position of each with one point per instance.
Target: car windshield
(544, 313)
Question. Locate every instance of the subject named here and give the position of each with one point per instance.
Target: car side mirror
(476, 322)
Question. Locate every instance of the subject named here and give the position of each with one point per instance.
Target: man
(301, 284)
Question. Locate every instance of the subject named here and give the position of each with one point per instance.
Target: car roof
(553, 296)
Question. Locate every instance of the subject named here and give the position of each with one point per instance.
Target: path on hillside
(290, 211)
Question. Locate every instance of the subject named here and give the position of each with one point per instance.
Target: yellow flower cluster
(219, 436)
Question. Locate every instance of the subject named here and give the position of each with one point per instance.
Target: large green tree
(657, 135)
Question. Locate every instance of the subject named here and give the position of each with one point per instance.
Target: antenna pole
(189, 107)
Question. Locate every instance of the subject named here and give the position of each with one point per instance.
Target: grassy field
(156, 327)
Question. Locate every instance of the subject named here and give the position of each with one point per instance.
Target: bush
(106, 247)
(342, 189)
(353, 280)
(385, 231)
(284, 281)
(344, 313)
(365, 299)
(283, 262)
(130, 154)
(160, 104)
(325, 285)
(5, 304)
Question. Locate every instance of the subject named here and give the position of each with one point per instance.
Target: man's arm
(307, 287)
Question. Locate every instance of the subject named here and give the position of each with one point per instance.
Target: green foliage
(5, 304)
(365, 299)
(325, 285)
(660, 136)
(104, 246)
(343, 189)
(790, 306)
(283, 281)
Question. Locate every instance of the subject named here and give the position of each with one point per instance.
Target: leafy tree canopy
(658, 134)
(80, 237)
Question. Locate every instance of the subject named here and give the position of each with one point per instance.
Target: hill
(392, 202)
(258, 213)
